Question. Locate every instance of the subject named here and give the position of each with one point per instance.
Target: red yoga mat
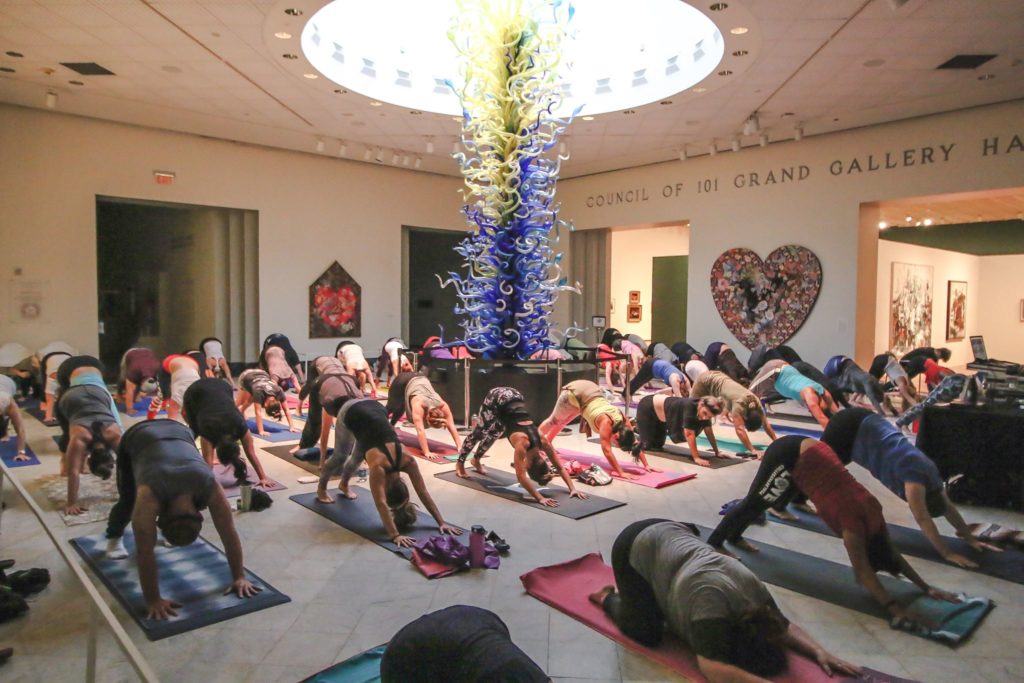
(438, 449)
(654, 480)
(566, 587)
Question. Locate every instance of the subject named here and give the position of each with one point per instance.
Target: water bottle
(476, 546)
(362, 472)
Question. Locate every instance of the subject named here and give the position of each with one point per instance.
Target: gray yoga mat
(505, 485)
(1007, 565)
(360, 516)
(312, 466)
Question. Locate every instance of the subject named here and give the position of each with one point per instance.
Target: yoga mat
(361, 668)
(9, 449)
(442, 452)
(834, 583)
(99, 495)
(141, 406)
(799, 431)
(312, 466)
(226, 477)
(35, 409)
(360, 517)
(566, 587)
(654, 480)
(505, 485)
(194, 575)
(275, 432)
(682, 452)
(1007, 565)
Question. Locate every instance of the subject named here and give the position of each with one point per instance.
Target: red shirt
(842, 502)
(933, 372)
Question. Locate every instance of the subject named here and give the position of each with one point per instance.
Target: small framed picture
(634, 296)
(634, 312)
(598, 321)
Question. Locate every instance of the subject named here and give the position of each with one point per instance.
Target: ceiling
(215, 68)
(955, 209)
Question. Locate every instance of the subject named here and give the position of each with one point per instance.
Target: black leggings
(730, 365)
(772, 487)
(652, 431)
(634, 609)
(121, 513)
(644, 375)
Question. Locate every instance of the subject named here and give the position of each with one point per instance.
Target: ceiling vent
(87, 68)
(966, 62)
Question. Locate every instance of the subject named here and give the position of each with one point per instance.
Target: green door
(668, 298)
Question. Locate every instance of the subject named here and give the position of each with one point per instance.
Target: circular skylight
(618, 54)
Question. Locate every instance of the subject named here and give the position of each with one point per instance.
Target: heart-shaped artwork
(765, 302)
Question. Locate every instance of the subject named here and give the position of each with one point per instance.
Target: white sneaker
(116, 549)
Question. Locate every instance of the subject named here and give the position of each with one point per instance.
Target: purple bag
(448, 550)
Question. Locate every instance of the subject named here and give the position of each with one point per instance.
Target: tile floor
(349, 595)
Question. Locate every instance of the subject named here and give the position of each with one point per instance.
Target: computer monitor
(978, 346)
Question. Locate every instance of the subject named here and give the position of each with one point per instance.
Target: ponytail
(101, 460)
(229, 454)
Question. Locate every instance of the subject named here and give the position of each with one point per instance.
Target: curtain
(590, 265)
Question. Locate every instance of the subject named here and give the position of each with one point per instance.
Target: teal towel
(362, 668)
(954, 622)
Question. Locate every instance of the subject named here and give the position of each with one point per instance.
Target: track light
(798, 133)
(379, 156)
(418, 162)
(751, 125)
(763, 140)
(320, 145)
(394, 158)
(51, 99)
(430, 146)
(735, 144)
(343, 149)
(682, 153)
(367, 154)
(712, 150)
(406, 159)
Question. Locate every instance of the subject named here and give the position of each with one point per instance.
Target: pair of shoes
(500, 543)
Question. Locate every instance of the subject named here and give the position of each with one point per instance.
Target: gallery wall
(633, 249)
(807, 193)
(999, 306)
(312, 210)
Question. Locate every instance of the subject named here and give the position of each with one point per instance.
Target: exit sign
(163, 177)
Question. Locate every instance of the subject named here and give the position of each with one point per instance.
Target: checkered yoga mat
(194, 575)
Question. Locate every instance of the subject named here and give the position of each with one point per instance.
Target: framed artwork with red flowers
(335, 301)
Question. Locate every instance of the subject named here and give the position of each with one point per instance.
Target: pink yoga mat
(566, 587)
(438, 449)
(654, 480)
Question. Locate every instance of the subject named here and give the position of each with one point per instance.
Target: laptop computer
(983, 362)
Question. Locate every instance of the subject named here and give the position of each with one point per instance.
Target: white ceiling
(214, 67)
(955, 209)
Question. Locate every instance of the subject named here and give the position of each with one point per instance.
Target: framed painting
(335, 301)
(910, 307)
(634, 296)
(634, 312)
(956, 310)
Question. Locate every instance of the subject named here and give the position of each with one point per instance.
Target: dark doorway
(668, 298)
(431, 308)
(170, 275)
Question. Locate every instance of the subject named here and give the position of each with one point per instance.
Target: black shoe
(5, 654)
(499, 543)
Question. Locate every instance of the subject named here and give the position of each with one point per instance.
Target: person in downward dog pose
(655, 368)
(163, 484)
(328, 386)
(851, 379)
(49, 365)
(680, 419)
(351, 356)
(258, 389)
(788, 382)
(90, 424)
(797, 464)
(216, 362)
(140, 370)
(886, 364)
(274, 361)
(9, 414)
(583, 398)
(392, 360)
(178, 373)
(210, 411)
(413, 395)
(719, 356)
(364, 434)
(503, 413)
(743, 408)
(871, 441)
(667, 577)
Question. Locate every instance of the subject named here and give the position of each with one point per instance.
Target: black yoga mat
(505, 485)
(194, 575)
(35, 409)
(311, 466)
(360, 516)
(1007, 565)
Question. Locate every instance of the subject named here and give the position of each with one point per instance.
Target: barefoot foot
(782, 514)
(599, 597)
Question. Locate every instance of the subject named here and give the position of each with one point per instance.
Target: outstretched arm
(605, 431)
(519, 462)
(814, 404)
(800, 641)
(250, 453)
(19, 430)
(741, 434)
(449, 422)
(412, 469)
(556, 460)
(144, 528)
(421, 432)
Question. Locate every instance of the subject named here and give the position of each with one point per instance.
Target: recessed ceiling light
(310, 76)
(588, 118)
(292, 12)
(725, 72)
(986, 77)
(740, 53)
(283, 35)
(739, 30)
(718, 6)
(76, 82)
(872, 63)
(7, 69)
(340, 91)
(665, 102)
(882, 225)
(375, 103)
(12, 53)
(927, 221)
(289, 55)
(909, 219)
(700, 90)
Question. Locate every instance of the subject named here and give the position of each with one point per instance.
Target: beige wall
(821, 212)
(997, 314)
(946, 266)
(312, 210)
(633, 249)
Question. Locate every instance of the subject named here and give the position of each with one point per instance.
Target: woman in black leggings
(719, 356)
(327, 386)
(666, 575)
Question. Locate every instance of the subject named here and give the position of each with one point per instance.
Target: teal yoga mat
(361, 668)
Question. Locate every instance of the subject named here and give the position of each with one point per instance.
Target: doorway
(170, 275)
(429, 308)
(668, 298)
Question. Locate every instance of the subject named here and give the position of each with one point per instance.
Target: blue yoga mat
(275, 432)
(141, 406)
(9, 448)
(35, 409)
(799, 431)
(194, 575)
(362, 668)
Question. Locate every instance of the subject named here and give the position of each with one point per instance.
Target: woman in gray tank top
(163, 483)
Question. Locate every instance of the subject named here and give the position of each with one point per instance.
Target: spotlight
(367, 154)
(394, 158)
(406, 160)
(51, 100)
(763, 140)
(418, 162)
(751, 125)
(882, 225)
(588, 118)
(927, 221)
(430, 146)
(910, 219)
(343, 150)
(712, 150)
(682, 153)
(798, 133)
(735, 144)
(320, 146)
(379, 156)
